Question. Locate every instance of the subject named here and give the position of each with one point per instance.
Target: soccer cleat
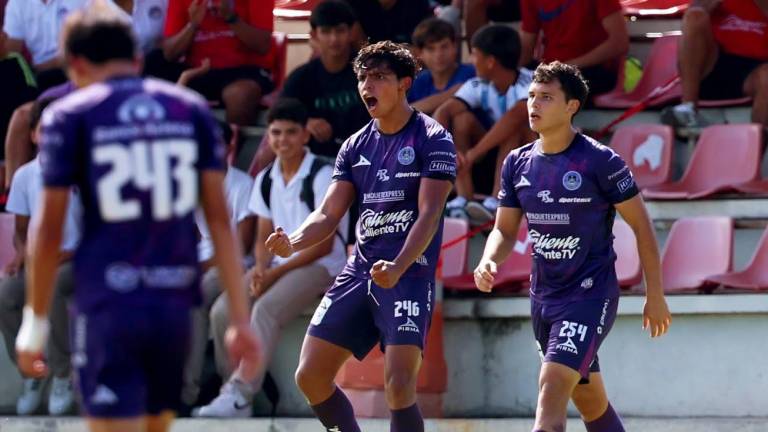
(229, 403)
(62, 398)
(31, 397)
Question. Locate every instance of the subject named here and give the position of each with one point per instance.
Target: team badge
(572, 180)
(406, 156)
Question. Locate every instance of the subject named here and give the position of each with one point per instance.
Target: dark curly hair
(395, 57)
(570, 78)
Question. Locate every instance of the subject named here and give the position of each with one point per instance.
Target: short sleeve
(240, 208)
(438, 155)
(529, 16)
(59, 148)
(256, 203)
(17, 196)
(296, 86)
(211, 151)
(615, 180)
(176, 18)
(342, 167)
(607, 7)
(507, 196)
(321, 183)
(260, 14)
(13, 24)
(469, 93)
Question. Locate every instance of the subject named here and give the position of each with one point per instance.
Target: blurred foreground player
(400, 167)
(142, 153)
(569, 187)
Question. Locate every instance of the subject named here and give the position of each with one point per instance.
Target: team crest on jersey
(140, 108)
(572, 180)
(406, 155)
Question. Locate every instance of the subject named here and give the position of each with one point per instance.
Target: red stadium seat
(696, 249)
(655, 8)
(707, 173)
(453, 260)
(294, 9)
(628, 269)
(754, 276)
(7, 251)
(660, 69)
(279, 66)
(647, 149)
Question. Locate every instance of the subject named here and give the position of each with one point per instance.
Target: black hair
(396, 57)
(37, 111)
(288, 109)
(433, 30)
(331, 13)
(98, 36)
(570, 78)
(499, 41)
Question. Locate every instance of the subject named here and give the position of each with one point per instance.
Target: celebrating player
(569, 187)
(142, 154)
(400, 167)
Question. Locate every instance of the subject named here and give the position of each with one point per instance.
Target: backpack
(307, 194)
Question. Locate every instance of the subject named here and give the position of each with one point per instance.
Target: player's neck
(395, 120)
(107, 72)
(503, 79)
(440, 79)
(335, 64)
(556, 140)
(290, 166)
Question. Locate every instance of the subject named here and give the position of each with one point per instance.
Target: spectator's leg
(475, 16)
(291, 295)
(467, 131)
(219, 321)
(756, 86)
(11, 304)
(58, 346)
(697, 52)
(18, 147)
(242, 99)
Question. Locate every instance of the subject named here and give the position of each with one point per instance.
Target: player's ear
(573, 106)
(405, 83)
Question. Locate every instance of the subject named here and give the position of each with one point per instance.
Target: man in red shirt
(723, 54)
(235, 35)
(590, 34)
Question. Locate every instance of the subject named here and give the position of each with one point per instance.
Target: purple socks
(336, 413)
(407, 420)
(608, 422)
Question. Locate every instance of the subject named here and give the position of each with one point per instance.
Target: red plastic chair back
(454, 258)
(647, 150)
(629, 272)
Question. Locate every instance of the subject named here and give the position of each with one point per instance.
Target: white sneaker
(31, 397)
(229, 403)
(458, 202)
(683, 115)
(491, 203)
(478, 213)
(62, 398)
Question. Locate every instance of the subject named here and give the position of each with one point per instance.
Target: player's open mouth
(370, 102)
(534, 117)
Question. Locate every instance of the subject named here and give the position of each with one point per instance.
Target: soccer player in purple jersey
(142, 153)
(569, 188)
(400, 167)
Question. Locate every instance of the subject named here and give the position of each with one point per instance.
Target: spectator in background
(34, 25)
(436, 47)
(478, 13)
(591, 34)
(282, 288)
(488, 111)
(236, 36)
(723, 55)
(394, 20)
(15, 74)
(23, 201)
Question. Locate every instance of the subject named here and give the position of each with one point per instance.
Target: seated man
(592, 35)
(723, 55)
(23, 199)
(236, 36)
(284, 194)
(487, 112)
(436, 47)
(35, 25)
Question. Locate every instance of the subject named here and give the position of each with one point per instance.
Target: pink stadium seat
(453, 260)
(659, 70)
(628, 269)
(516, 269)
(7, 251)
(754, 276)
(725, 156)
(647, 149)
(279, 66)
(655, 8)
(696, 248)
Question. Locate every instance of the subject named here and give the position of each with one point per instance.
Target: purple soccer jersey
(135, 149)
(386, 171)
(568, 199)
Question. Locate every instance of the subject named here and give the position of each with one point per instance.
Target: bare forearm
(177, 45)
(650, 261)
(606, 51)
(429, 104)
(307, 256)
(497, 247)
(418, 238)
(255, 39)
(315, 229)
(41, 270)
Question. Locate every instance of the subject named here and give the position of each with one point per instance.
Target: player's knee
(590, 402)
(309, 381)
(401, 388)
(761, 79)
(241, 94)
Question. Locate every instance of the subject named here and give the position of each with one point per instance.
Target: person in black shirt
(393, 20)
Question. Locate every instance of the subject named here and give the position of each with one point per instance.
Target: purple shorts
(570, 334)
(356, 313)
(129, 361)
